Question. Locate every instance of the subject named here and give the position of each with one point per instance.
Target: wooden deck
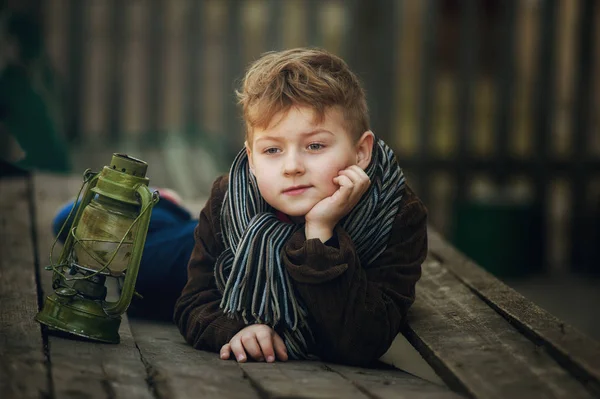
(482, 338)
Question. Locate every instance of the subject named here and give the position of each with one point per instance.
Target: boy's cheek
(268, 189)
(264, 187)
(331, 189)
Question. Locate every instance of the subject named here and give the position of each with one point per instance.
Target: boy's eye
(315, 146)
(271, 150)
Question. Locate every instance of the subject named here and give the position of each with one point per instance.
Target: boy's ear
(364, 149)
(249, 153)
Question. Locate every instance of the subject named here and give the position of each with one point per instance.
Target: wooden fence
(476, 96)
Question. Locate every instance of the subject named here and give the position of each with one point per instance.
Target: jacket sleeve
(197, 313)
(357, 312)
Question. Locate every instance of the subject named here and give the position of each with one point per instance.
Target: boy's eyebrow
(306, 134)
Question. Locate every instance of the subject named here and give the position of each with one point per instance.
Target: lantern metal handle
(147, 199)
(89, 181)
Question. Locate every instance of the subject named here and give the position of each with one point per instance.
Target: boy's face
(295, 159)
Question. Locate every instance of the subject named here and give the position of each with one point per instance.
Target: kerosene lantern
(105, 240)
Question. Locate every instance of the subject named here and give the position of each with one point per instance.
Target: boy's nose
(293, 164)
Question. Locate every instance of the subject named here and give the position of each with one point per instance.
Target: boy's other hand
(322, 218)
(258, 341)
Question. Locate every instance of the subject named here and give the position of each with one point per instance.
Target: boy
(313, 244)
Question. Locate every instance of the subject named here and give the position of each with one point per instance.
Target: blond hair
(313, 77)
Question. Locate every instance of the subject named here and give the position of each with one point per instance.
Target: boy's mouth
(295, 190)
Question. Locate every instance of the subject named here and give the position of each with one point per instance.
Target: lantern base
(79, 316)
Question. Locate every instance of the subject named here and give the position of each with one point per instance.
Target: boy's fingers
(252, 347)
(266, 344)
(360, 171)
(238, 350)
(352, 174)
(225, 351)
(345, 191)
(345, 182)
(359, 178)
(356, 174)
(280, 349)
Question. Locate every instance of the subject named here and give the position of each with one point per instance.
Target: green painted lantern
(105, 240)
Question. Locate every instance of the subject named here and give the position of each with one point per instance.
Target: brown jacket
(356, 312)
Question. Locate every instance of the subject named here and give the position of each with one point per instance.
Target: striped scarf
(250, 272)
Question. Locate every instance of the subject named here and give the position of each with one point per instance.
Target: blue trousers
(163, 269)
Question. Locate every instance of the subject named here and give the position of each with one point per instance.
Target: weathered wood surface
(475, 350)
(179, 371)
(573, 349)
(176, 370)
(153, 360)
(23, 372)
(391, 384)
(482, 338)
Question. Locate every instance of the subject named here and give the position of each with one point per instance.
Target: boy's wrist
(323, 233)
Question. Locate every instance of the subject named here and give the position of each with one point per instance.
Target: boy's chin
(295, 214)
(297, 210)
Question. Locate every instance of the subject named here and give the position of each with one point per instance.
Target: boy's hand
(322, 218)
(258, 341)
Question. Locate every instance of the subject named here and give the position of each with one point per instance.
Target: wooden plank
(300, 379)
(275, 41)
(392, 383)
(155, 66)
(427, 94)
(581, 228)
(23, 372)
(313, 26)
(233, 129)
(374, 44)
(409, 32)
(56, 25)
(195, 45)
(96, 370)
(477, 351)
(114, 70)
(577, 352)
(83, 368)
(331, 24)
(177, 370)
(525, 74)
(213, 76)
(174, 82)
(136, 70)
(567, 55)
(77, 20)
(504, 38)
(543, 105)
(96, 60)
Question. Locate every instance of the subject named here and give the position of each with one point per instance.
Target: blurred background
(491, 106)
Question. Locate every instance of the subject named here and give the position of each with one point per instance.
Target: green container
(502, 236)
